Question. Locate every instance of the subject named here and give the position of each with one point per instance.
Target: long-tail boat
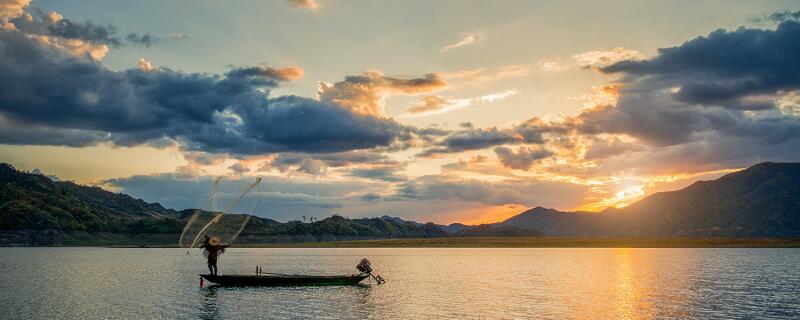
(274, 279)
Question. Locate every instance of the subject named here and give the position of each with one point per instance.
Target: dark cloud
(143, 39)
(729, 69)
(710, 152)
(532, 131)
(779, 16)
(725, 83)
(342, 159)
(87, 31)
(521, 159)
(388, 174)
(474, 139)
(527, 192)
(301, 162)
(35, 21)
(604, 148)
(317, 164)
(84, 31)
(45, 86)
(369, 197)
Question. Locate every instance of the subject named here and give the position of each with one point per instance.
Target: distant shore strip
(540, 242)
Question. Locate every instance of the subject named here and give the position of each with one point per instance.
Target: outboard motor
(366, 267)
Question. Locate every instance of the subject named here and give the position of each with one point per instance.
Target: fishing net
(214, 217)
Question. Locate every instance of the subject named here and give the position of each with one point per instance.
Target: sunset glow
(493, 114)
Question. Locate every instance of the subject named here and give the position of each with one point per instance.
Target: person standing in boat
(212, 249)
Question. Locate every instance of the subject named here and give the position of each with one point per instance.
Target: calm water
(101, 283)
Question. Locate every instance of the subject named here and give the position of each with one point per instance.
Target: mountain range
(760, 201)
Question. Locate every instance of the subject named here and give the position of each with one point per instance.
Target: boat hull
(273, 280)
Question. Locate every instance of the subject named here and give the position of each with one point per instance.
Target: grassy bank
(542, 242)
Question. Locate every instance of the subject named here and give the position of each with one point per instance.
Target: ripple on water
(103, 283)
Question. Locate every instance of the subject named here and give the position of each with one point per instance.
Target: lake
(422, 283)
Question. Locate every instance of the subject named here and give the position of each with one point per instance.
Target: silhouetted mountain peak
(760, 201)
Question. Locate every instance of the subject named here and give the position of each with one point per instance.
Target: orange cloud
(286, 73)
(365, 93)
(604, 58)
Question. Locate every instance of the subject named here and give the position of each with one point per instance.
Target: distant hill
(35, 209)
(451, 229)
(498, 230)
(760, 201)
(34, 201)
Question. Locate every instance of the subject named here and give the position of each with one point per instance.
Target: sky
(442, 111)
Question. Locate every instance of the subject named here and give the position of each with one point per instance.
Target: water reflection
(209, 308)
(422, 284)
(277, 302)
(630, 302)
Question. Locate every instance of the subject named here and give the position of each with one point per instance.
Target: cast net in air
(214, 217)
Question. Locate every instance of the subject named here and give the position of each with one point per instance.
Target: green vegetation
(35, 202)
(35, 210)
(744, 209)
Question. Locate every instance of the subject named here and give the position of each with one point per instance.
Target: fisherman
(212, 249)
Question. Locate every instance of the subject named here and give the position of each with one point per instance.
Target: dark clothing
(212, 252)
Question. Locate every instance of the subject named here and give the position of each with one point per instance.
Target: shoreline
(547, 242)
(509, 242)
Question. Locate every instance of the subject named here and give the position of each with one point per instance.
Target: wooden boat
(274, 279)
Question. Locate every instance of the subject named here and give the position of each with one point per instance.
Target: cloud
(604, 58)
(532, 131)
(779, 16)
(370, 197)
(784, 16)
(364, 94)
(318, 164)
(727, 82)
(482, 75)
(86, 36)
(472, 139)
(613, 146)
(10, 9)
(717, 101)
(431, 105)
(144, 39)
(238, 169)
(528, 192)
(305, 4)
(468, 39)
(302, 163)
(594, 59)
(523, 158)
(145, 65)
(218, 113)
(281, 194)
(388, 174)
(16, 134)
(729, 69)
(86, 31)
(280, 74)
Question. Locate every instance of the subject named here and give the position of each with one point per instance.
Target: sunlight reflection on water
(103, 283)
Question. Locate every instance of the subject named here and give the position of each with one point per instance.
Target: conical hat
(214, 241)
